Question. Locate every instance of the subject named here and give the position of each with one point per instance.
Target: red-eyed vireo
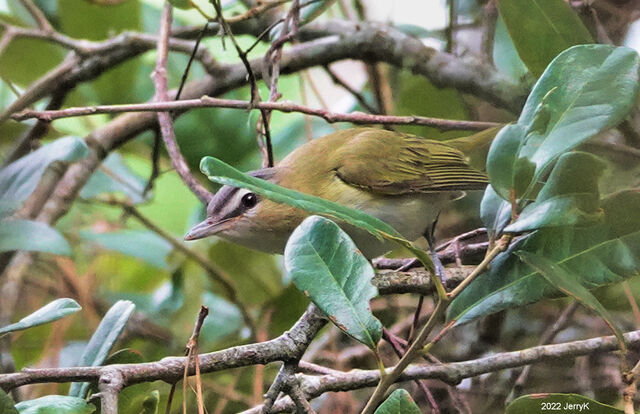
(402, 179)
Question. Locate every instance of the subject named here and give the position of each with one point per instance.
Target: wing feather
(393, 163)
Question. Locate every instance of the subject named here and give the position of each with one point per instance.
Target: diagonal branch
(164, 118)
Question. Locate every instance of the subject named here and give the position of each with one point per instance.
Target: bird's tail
(476, 146)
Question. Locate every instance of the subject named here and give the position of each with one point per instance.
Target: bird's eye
(249, 200)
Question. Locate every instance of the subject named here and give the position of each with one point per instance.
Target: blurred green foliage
(115, 257)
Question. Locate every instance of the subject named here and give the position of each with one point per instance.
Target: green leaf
(502, 159)
(114, 176)
(399, 402)
(150, 403)
(553, 402)
(142, 244)
(26, 60)
(569, 197)
(565, 210)
(326, 265)
(19, 179)
(32, 236)
(541, 29)
(124, 356)
(602, 254)
(6, 404)
(495, 212)
(569, 284)
(586, 89)
(575, 173)
(102, 340)
(505, 55)
(55, 404)
(50, 312)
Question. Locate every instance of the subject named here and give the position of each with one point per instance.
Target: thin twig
(356, 94)
(37, 15)
(164, 118)
(499, 247)
(271, 74)
(192, 352)
(358, 118)
(399, 349)
(24, 143)
(185, 74)
(255, 93)
(631, 379)
(412, 352)
(110, 384)
(155, 163)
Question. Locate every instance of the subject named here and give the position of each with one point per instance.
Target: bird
(402, 179)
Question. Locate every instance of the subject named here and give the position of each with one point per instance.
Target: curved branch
(453, 373)
(292, 344)
(164, 118)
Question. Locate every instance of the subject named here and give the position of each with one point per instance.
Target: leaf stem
(499, 247)
(413, 351)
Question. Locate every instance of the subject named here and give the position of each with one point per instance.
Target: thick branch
(453, 373)
(287, 347)
(294, 342)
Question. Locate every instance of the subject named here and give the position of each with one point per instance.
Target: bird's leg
(429, 234)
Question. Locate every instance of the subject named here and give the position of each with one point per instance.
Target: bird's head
(247, 218)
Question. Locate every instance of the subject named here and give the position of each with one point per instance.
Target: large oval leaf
(540, 29)
(32, 236)
(602, 254)
(326, 265)
(585, 90)
(50, 312)
(19, 179)
(399, 402)
(569, 197)
(502, 159)
(102, 340)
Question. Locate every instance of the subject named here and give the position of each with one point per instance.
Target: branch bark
(358, 118)
(164, 118)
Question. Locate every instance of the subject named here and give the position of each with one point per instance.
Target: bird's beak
(206, 228)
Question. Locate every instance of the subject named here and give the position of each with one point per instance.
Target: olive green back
(394, 163)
